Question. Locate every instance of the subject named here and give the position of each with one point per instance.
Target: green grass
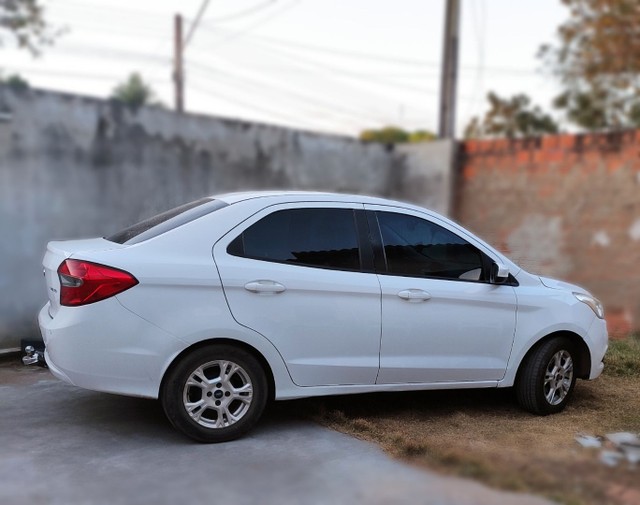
(623, 357)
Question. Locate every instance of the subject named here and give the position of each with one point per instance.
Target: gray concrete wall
(74, 167)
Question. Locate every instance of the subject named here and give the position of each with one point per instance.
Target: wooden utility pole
(178, 64)
(449, 77)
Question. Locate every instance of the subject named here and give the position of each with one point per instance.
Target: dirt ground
(483, 434)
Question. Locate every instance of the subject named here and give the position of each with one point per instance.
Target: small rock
(588, 440)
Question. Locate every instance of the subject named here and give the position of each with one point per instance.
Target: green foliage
(597, 59)
(134, 92)
(421, 136)
(396, 135)
(623, 357)
(15, 82)
(24, 21)
(512, 118)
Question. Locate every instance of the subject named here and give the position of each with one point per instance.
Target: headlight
(592, 302)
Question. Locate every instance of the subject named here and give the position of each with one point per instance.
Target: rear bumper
(105, 347)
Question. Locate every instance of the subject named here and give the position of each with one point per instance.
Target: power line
(248, 105)
(336, 109)
(195, 23)
(292, 45)
(241, 14)
(72, 74)
(234, 35)
(331, 69)
(117, 54)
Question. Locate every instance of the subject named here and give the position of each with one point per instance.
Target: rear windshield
(168, 220)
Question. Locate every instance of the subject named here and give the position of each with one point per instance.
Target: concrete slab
(64, 445)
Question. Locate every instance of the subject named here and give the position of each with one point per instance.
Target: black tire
(223, 408)
(538, 389)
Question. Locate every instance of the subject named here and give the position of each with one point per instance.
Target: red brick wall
(565, 206)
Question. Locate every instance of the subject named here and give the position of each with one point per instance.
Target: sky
(335, 66)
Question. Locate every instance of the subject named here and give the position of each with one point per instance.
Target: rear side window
(419, 248)
(324, 238)
(162, 223)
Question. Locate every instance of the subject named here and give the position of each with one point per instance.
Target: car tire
(215, 394)
(547, 377)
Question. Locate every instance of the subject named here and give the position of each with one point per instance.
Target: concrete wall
(565, 206)
(77, 167)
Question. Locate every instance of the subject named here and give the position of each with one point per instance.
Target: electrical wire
(72, 74)
(292, 45)
(287, 119)
(260, 22)
(241, 14)
(254, 85)
(194, 24)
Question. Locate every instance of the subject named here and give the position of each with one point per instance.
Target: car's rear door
(301, 275)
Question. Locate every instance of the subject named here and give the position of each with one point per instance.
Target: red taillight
(83, 282)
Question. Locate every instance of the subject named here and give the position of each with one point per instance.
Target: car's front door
(297, 276)
(442, 320)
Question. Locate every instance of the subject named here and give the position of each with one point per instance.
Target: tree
(421, 136)
(598, 62)
(15, 82)
(511, 117)
(134, 92)
(395, 135)
(25, 23)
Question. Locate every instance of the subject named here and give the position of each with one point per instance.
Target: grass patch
(483, 434)
(623, 357)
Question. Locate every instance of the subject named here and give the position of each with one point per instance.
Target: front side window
(419, 248)
(323, 238)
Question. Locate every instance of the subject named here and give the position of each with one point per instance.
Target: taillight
(83, 282)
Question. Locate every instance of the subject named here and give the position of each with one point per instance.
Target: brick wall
(565, 206)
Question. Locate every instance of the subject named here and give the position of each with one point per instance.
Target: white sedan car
(217, 306)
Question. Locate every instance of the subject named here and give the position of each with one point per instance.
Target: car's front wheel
(547, 377)
(215, 394)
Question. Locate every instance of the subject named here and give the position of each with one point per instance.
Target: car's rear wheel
(215, 394)
(547, 377)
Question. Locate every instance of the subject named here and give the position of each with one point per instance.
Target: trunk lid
(59, 251)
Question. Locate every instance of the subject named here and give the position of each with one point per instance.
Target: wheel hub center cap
(218, 394)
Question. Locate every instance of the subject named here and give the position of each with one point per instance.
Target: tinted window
(312, 237)
(162, 223)
(420, 248)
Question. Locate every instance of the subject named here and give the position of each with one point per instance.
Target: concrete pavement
(64, 445)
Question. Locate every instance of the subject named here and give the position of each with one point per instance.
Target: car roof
(316, 196)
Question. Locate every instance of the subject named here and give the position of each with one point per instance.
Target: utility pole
(179, 45)
(449, 78)
(178, 64)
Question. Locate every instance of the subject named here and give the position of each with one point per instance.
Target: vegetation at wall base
(623, 357)
(396, 135)
(134, 92)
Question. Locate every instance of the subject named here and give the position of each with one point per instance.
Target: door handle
(264, 287)
(414, 295)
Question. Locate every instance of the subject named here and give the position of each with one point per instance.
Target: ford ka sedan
(222, 304)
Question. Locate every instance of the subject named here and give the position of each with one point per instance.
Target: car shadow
(127, 417)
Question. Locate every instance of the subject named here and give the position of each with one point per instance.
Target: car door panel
(441, 329)
(325, 322)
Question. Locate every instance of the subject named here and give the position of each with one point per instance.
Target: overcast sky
(336, 66)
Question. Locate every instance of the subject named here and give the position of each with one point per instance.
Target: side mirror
(499, 273)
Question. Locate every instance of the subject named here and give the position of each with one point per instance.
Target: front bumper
(599, 340)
